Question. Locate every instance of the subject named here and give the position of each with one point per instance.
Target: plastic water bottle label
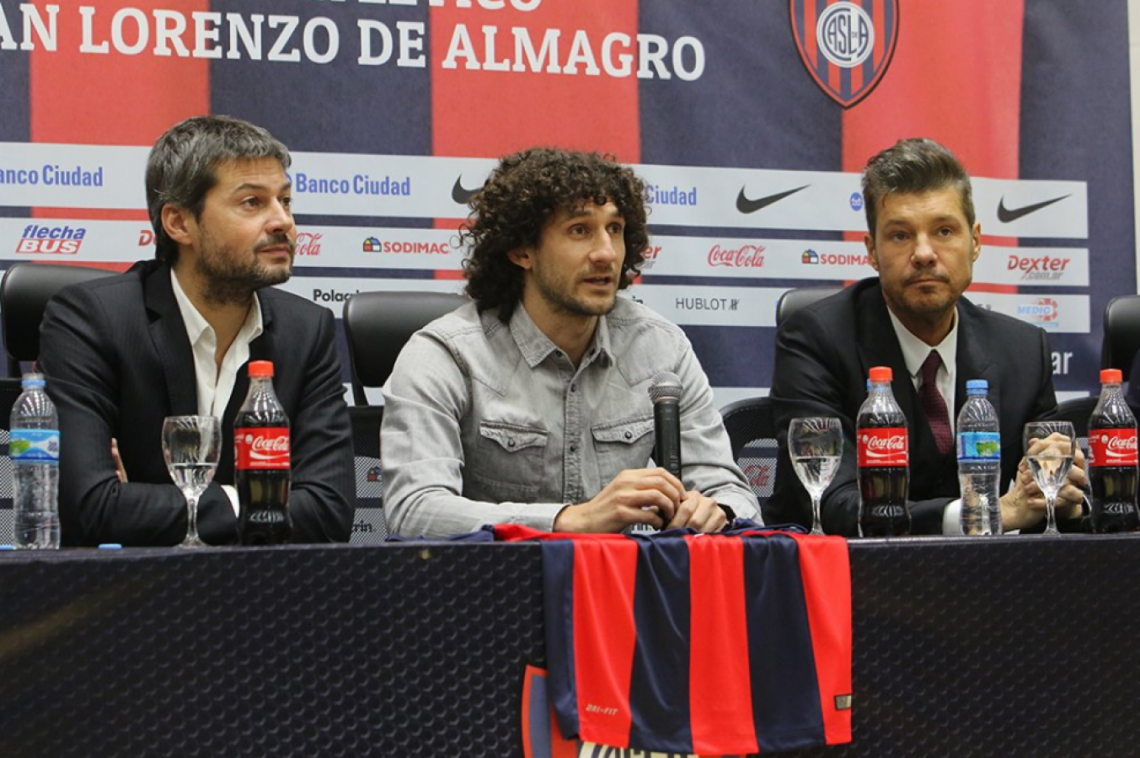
(979, 446)
(34, 445)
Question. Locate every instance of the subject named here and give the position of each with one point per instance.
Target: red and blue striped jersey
(732, 643)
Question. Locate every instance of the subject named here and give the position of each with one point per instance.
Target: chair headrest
(24, 294)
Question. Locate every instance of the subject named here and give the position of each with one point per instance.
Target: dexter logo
(1045, 267)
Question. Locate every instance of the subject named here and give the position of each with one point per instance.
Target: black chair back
(751, 430)
(794, 299)
(24, 293)
(1121, 333)
(379, 324)
(370, 526)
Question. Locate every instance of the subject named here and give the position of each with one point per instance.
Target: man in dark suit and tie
(923, 240)
(173, 336)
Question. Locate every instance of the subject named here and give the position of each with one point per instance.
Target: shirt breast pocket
(509, 465)
(622, 444)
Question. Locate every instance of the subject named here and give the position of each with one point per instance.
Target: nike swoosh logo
(1006, 215)
(461, 194)
(744, 205)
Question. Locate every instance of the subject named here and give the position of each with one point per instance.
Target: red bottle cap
(1111, 376)
(262, 368)
(878, 374)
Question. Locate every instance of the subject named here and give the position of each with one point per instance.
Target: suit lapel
(168, 336)
(260, 349)
(974, 353)
(878, 346)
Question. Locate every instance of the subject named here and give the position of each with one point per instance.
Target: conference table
(1002, 646)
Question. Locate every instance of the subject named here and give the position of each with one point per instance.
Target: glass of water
(191, 445)
(1049, 453)
(816, 448)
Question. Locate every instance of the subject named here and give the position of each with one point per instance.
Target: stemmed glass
(190, 445)
(816, 447)
(1049, 462)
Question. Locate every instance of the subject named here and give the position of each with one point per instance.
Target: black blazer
(118, 361)
(823, 354)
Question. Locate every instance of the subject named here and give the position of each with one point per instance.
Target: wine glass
(1049, 462)
(816, 447)
(190, 445)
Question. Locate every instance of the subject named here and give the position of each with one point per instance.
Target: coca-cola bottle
(261, 447)
(1112, 459)
(884, 461)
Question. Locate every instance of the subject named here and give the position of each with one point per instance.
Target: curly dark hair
(518, 199)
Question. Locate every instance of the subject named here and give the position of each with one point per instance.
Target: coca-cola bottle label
(1112, 447)
(979, 446)
(883, 446)
(262, 447)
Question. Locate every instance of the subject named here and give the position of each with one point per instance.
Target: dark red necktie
(933, 404)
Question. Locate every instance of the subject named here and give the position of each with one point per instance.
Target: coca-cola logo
(1113, 447)
(308, 244)
(262, 447)
(268, 446)
(893, 444)
(746, 256)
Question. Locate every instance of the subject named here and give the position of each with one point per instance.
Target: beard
(233, 276)
(559, 293)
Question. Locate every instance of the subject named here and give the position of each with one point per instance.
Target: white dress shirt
(216, 384)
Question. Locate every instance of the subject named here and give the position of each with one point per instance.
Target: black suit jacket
(117, 361)
(823, 354)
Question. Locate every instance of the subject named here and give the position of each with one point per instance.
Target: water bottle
(34, 449)
(979, 461)
(1112, 459)
(884, 461)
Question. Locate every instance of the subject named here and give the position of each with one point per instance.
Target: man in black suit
(923, 240)
(172, 337)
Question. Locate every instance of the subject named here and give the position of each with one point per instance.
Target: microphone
(666, 395)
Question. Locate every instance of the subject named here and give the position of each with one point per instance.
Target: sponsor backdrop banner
(750, 125)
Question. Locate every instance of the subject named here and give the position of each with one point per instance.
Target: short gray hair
(181, 167)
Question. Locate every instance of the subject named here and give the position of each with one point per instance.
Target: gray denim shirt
(491, 423)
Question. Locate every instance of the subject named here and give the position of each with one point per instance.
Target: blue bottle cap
(7, 547)
(977, 385)
(110, 546)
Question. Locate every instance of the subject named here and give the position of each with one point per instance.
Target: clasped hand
(650, 496)
(1024, 504)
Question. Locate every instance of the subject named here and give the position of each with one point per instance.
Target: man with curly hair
(529, 405)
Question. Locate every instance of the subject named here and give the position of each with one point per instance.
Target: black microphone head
(666, 386)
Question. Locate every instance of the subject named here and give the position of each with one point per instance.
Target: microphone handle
(667, 426)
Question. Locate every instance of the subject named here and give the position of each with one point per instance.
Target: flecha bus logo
(51, 240)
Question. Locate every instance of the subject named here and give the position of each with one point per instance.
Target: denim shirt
(491, 423)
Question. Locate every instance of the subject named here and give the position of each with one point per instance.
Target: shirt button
(573, 448)
(573, 387)
(510, 443)
(629, 435)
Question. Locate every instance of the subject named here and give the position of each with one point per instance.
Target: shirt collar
(536, 346)
(915, 350)
(196, 323)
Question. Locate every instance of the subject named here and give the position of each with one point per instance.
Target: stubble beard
(233, 278)
(562, 300)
